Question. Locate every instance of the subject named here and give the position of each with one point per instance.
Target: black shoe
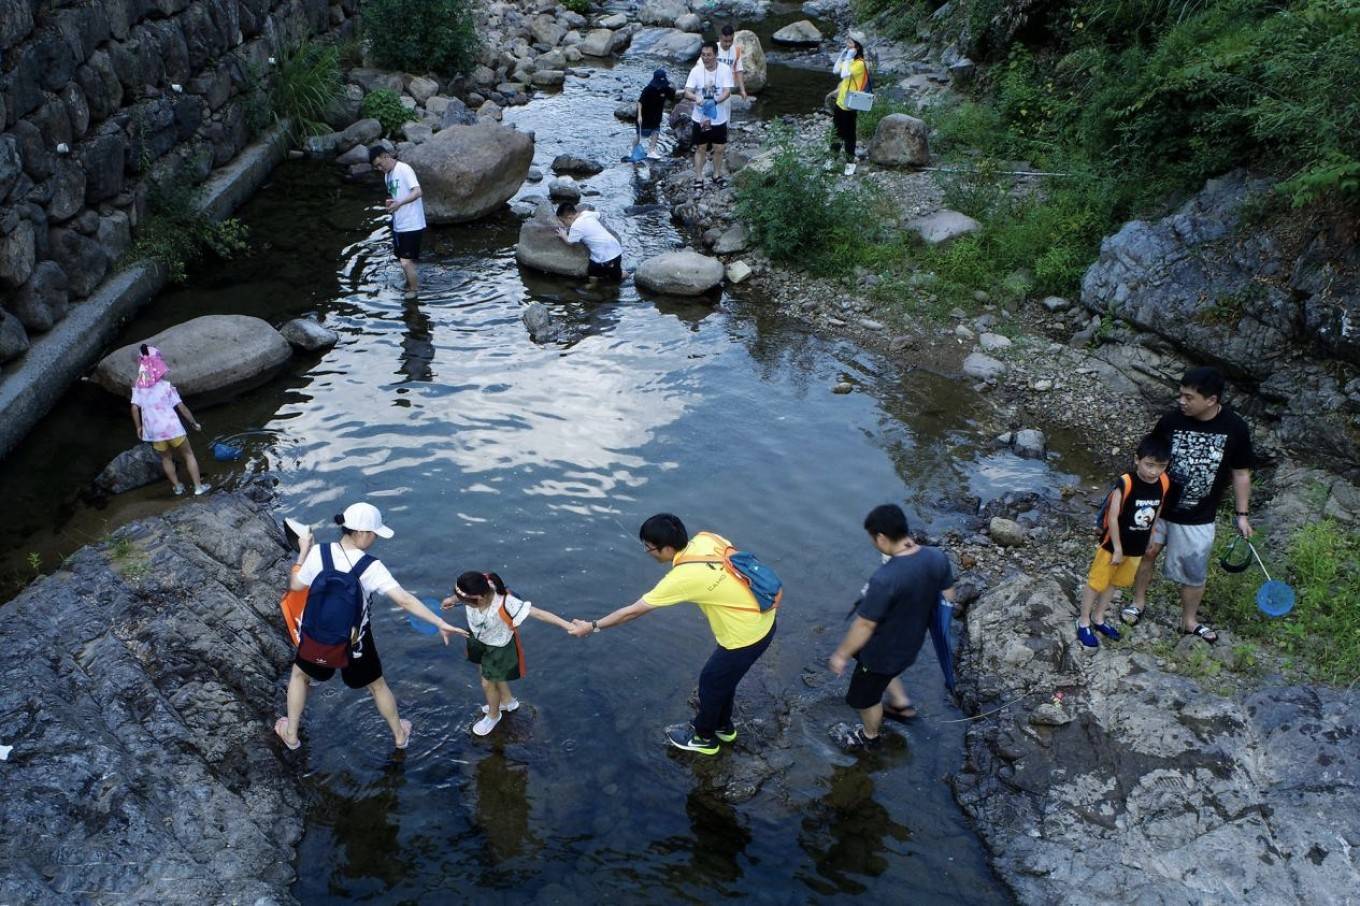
(856, 741)
(727, 733)
(682, 736)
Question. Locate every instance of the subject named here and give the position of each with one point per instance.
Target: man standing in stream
(709, 87)
(1210, 449)
(743, 631)
(406, 208)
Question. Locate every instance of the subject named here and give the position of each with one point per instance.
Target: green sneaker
(727, 734)
(682, 737)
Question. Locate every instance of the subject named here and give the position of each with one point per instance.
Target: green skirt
(499, 664)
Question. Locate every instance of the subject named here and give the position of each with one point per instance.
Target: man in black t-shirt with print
(891, 623)
(1210, 449)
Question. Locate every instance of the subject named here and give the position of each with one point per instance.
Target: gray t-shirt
(901, 597)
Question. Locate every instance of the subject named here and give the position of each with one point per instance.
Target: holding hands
(581, 628)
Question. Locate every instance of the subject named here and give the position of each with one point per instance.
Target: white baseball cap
(365, 517)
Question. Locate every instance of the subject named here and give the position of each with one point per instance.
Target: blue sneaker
(1107, 630)
(1087, 637)
(682, 736)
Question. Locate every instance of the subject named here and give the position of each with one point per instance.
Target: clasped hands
(581, 628)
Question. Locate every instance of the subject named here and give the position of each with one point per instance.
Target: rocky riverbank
(139, 683)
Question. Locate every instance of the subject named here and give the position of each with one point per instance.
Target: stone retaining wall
(98, 98)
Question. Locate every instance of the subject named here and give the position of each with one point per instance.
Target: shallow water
(486, 451)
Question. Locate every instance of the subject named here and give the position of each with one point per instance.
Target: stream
(486, 451)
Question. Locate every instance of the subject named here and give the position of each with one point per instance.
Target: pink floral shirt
(159, 419)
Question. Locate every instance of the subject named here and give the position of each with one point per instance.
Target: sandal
(280, 727)
(1131, 615)
(901, 715)
(1203, 632)
(697, 185)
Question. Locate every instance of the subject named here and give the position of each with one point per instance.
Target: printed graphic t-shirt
(900, 598)
(400, 183)
(158, 402)
(1137, 514)
(708, 85)
(1203, 457)
(487, 626)
(731, 610)
(376, 580)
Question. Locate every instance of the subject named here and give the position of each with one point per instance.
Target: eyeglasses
(649, 548)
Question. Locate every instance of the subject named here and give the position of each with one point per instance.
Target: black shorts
(608, 270)
(407, 244)
(360, 673)
(867, 688)
(713, 135)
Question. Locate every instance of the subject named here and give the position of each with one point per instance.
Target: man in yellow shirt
(742, 630)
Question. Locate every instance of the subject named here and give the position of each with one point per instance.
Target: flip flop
(1131, 615)
(280, 727)
(405, 725)
(902, 715)
(1203, 632)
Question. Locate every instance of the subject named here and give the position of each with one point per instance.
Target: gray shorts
(1185, 557)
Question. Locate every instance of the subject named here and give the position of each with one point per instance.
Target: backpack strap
(327, 561)
(365, 561)
(1125, 485)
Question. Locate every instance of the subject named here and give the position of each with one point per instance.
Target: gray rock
(456, 113)
(547, 30)
(732, 240)
(991, 342)
(682, 273)
(104, 158)
(825, 9)
(309, 335)
(323, 146)
(900, 141)
(114, 233)
(564, 188)
(416, 132)
(576, 165)
(371, 80)
(690, 22)
(11, 164)
(738, 272)
(207, 354)
(666, 44)
(422, 89)
(13, 337)
(83, 259)
(626, 111)
(42, 301)
(466, 172)
(541, 249)
(124, 712)
(983, 367)
(67, 184)
(356, 156)
(755, 71)
(799, 34)
(661, 12)
(1006, 532)
(1055, 303)
(613, 22)
(17, 255)
(943, 226)
(1030, 443)
(548, 78)
(133, 468)
(539, 320)
(598, 42)
(489, 110)
(363, 132)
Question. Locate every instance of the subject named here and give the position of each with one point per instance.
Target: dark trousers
(845, 129)
(718, 684)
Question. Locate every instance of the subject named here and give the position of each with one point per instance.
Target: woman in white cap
(360, 525)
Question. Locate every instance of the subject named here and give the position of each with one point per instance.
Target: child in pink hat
(156, 408)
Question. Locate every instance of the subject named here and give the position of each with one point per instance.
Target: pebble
(843, 387)
(1043, 386)
(871, 324)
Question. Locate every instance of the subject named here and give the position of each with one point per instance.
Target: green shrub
(421, 35)
(306, 84)
(384, 105)
(577, 6)
(176, 234)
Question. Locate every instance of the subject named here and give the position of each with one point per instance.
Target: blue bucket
(225, 452)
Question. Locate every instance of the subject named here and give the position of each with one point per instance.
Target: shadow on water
(488, 451)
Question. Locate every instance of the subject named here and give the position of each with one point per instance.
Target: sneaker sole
(722, 738)
(688, 748)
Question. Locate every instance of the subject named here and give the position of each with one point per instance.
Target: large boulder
(13, 337)
(466, 172)
(661, 12)
(42, 301)
(541, 249)
(754, 70)
(682, 273)
(798, 34)
(133, 468)
(598, 42)
(309, 335)
(576, 165)
(900, 141)
(666, 44)
(208, 354)
(943, 226)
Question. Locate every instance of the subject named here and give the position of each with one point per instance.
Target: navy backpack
(335, 610)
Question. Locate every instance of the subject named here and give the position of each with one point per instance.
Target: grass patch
(176, 233)
(384, 105)
(306, 84)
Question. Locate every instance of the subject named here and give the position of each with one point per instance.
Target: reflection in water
(363, 819)
(714, 848)
(846, 833)
(417, 348)
(502, 811)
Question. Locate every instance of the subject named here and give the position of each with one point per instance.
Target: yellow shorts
(1104, 573)
(160, 446)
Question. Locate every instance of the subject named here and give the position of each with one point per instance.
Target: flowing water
(486, 451)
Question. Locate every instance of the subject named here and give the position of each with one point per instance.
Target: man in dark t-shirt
(893, 618)
(1210, 449)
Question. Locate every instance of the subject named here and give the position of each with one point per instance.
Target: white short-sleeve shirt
(708, 84)
(486, 624)
(601, 243)
(401, 181)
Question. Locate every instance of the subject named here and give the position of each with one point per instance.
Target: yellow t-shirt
(855, 81)
(729, 605)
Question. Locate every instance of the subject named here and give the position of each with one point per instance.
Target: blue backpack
(766, 588)
(335, 609)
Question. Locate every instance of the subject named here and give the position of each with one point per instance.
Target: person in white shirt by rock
(606, 253)
(406, 208)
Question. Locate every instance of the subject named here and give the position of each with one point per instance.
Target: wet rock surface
(1108, 778)
(141, 680)
(206, 354)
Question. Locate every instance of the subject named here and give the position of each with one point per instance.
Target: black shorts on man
(713, 135)
(867, 688)
(407, 244)
(607, 270)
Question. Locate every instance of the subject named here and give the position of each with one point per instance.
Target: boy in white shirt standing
(406, 208)
(710, 87)
(729, 54)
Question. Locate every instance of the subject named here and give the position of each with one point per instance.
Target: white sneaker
(849, 169)
(485, 725)
(654, 155)
(512, 705)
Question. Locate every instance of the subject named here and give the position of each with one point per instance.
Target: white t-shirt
(588, 229)
(730, 57)
(401, 181)
(376, 580)
(708, 84)
(486, 624)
